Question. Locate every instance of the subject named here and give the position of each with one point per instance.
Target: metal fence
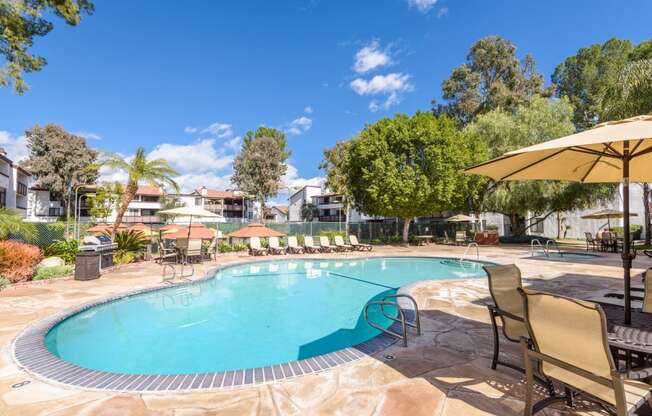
(378, 232)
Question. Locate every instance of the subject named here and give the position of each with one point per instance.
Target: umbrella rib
(617, 153)
(642, 152)
(580, 149)
(534, 163)
(503, 157)
(636, 147)
(588, 172)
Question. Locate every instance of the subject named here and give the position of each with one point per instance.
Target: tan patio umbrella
(460, 218)
(615, 151)
(607, 214)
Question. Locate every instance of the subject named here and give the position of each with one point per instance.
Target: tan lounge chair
(504, 282)
(293, 245)
(325, 245)
(340, 246)
(353, 239)
(275, 246)
(255, 249)
(569, 343)
(647, 297)
(310, 246)
(461, 238)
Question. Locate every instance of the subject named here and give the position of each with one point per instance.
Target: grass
(45, 273)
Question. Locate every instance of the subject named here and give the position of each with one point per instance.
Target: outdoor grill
(95, 254)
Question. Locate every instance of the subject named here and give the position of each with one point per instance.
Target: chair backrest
(504, 282)
(574, 332)
(273, 242)
(307, 241)
(292, 241)
(460, 235)
(182, 243)
(339, 241)
(647, 297)
(353, 239)
(323, 241)
(254, 242)
(589, 237)
(194, 245)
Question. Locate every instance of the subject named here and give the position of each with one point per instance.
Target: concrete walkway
(445, 371)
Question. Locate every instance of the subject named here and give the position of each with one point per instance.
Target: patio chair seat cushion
(636, 392)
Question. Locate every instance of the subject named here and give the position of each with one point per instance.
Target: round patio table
(635, 337)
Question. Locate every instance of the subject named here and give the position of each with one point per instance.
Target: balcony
(145, 219)
(332, 218)
(233, 207)
(213, 208)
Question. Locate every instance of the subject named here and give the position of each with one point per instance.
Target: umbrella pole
(627, 258)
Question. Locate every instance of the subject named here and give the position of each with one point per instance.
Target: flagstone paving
(445, 371)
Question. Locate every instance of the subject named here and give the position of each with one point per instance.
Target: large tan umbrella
(616, 151)
(460, 218)
(607, 214)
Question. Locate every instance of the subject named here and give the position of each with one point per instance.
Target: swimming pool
(246, 316)
(566, 255)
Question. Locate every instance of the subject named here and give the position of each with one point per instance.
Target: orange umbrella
(99, 228)
(169, 227)
(255, 230)
(196, 231)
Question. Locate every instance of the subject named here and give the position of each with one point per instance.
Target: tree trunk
(127, 197)
(406, 229)
(646, 208)
(262, 211)
(558, 226)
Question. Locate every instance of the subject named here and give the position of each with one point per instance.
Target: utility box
(87, 265)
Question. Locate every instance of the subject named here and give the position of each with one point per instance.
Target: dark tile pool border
(30, 353)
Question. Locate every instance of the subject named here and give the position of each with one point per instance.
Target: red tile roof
(255, 230)
(213, 193)
(148, 190)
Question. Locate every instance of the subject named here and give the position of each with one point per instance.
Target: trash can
(87, 265)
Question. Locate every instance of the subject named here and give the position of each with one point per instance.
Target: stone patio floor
(445, 371)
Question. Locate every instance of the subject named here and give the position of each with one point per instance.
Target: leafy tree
(169, 202)
(20, 22)
(407, 167)
(258, 168)
(263, 131)
(491, 78)
(156, 172)
(586, 76)
(11, 223)
(541, 120)
(60, 161)
(309, 211)
(333, 164)
(105, 200)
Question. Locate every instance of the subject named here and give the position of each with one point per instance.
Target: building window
(22, 189)
(149, 198)
(54, 212)
(197, 202)
(537, 226)
(3, 197)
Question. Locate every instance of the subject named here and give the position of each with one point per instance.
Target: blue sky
(186, 79)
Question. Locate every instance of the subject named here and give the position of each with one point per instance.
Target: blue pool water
(246, 316)
(566, 255)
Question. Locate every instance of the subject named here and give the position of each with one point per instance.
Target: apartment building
(276, 213)
(145, 206)
(298, 199)
(14, 183)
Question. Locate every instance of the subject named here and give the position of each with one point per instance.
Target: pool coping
(30, 353)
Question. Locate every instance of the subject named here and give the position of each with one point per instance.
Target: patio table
(423, 239)
(635, 337)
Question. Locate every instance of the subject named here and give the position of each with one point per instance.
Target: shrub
(634, 229)
(240, 247)
(66, 249)
(131, 240)
(224, 247)
(18, 260)
(44, 273)
(523, 239)
(301, 239)
(331, 234)
(124, 257)
(4, 282)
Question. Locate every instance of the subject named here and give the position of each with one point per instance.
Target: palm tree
(632, 96)
(12, 223)
(155, 172)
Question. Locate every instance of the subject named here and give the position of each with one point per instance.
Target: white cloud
(190, 130)
(371, 57)
(15, 146)
(88, 135)
(234, 143)
(219, 129)
(442, 12)
(308, 110)
(423, 6)
(293, 181)
(299, 125)
(391, 85)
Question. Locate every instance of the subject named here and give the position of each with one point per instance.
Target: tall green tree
(60, 161)
(333, 166)
(492, 77)
(259, 167)
(407, 167)
(139, 169)
(263, 131)
(501, 131)
(104, 200)
(23, 20)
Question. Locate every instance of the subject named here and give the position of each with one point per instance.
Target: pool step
(402, 315)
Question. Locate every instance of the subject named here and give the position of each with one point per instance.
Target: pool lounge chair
(353, 239)
(504, 282)
(461, 238)
(167, 253)
(255, 249)
(569, 344)
(310, 246)
(293, 245)
(325, 245)
(340, 246)
(275, 246)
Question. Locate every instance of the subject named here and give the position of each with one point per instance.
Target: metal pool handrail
(538, 242)
(417, 320)
(403, 335)
(556, 246)
(477, 251)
